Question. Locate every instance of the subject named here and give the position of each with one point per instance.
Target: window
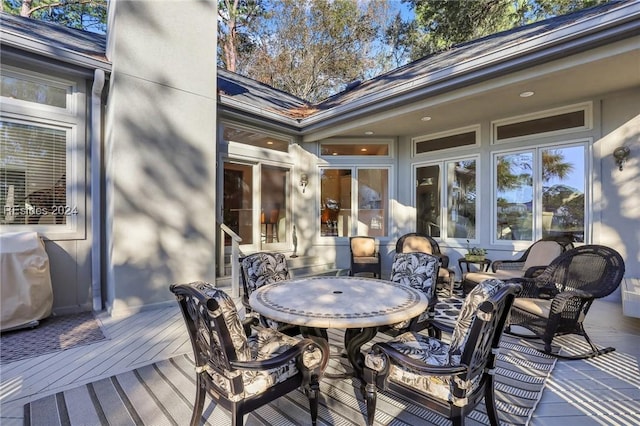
(255, 138)
(354, 201)
(552, 122)
(353, 148)
(41, 157)
(455, 179)
(540, 192)
(458, 138)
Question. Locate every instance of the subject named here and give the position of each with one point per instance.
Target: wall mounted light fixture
(304, 181)
(621, 154)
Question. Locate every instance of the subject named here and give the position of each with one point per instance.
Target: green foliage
(88, 15)
(440, 24)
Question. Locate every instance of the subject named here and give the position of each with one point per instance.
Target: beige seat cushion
(539, 307)
(367, 259)
(416, 243)
(363, 247)
(542, 253)
(501, 274)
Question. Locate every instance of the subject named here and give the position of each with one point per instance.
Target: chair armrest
(531, 289)
(283, 358)
(534, 271)
(444, 260)
(506, 265)
(562, 299)
(416, 365)
(447, 328)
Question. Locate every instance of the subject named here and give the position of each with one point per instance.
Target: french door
(255, 205)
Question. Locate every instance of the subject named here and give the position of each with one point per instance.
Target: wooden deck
(604, 390)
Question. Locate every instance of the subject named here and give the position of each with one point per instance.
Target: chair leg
(370, 397)
(198, 405)
(312, 393)
(490, 402)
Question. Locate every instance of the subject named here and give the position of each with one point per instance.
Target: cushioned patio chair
(243, 373)
(557, 301)
(364, 256)
(448, 378)
(531, 263)
(416, 242)
(420, 271)
(262, 268)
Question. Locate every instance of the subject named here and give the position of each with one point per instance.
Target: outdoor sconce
(304, 181)
(621, 154)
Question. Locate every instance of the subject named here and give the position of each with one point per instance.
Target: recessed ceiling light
(425, 118)
(269, 142)
(363, 149)
(526, 94)
(368, 132)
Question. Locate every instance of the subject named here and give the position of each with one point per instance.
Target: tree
(236, 28)
(311, 48)
(88, 15)
(441, 24)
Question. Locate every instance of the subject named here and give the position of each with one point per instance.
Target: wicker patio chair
(420, 271)
(531, 263)
(243, 373)
(448, 378)
(557, 301)
(365, 256)
(262, 268)
(416, 242)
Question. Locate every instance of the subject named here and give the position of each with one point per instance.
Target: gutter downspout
(96, 188)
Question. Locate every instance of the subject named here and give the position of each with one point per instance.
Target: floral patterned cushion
(228, 311)
(265, 268)
(429, 350)
(418, 270)
(480, 293)
(265, 343)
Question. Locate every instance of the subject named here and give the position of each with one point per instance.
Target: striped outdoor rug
(163, 393)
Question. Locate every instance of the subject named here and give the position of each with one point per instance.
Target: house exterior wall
(618, 198)
(160, 150)
(615, 207)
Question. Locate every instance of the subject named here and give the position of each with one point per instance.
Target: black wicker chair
(450, 379)
(365, 256)
(243, 373)
(531, 263)
(420, 271)
(557, 301)
(262, 268)
(417, 242)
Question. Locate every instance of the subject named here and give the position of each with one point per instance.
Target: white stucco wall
(619, 201)
(160, 153)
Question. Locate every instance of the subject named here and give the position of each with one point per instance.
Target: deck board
(603, 390)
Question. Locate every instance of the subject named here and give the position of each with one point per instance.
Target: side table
(483, 266)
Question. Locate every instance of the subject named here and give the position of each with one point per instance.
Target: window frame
(72, 121)
(369, 141)
(587, 107)
(476, 128)
(444, 191)
(537, 149)
(355, 208)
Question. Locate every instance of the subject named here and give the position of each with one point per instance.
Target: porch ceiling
(565, 81)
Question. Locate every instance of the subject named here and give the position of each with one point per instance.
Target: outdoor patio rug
(163, 393)
(55, 333)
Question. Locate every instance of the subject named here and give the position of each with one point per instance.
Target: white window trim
(444, 236)
(587, 143)
(69, 86)
(476, 128)
(320, 239)
(74, 228)
(587, 107)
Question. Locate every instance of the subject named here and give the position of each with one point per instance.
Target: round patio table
(359, 305)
